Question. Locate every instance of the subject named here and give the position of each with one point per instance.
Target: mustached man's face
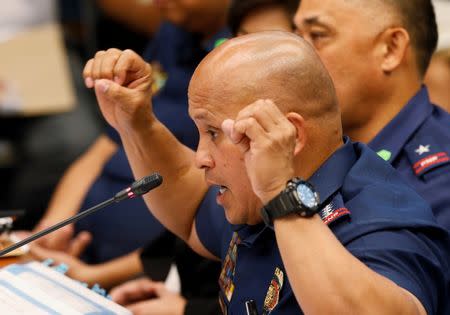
(344, 36)
(223, 162)
(194, 15)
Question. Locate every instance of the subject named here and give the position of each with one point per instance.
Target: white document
(36, 289)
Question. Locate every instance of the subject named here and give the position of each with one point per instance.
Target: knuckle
(87, 68)
(258, 104)
(99, 53)
(113, 51)
(128, 52)
(239, 126)
(148, 67)
(251, 121)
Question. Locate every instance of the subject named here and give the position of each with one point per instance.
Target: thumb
(228, 129)
(110, 90)
(161, 289)
(240, 139)
(79, 243)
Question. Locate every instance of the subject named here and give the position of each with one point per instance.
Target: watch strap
(286, 203)
(282, 204)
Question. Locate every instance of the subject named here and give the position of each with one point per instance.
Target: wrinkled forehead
(217, 89)
(211, 103)
(341, 12)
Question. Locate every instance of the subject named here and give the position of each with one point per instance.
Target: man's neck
(383, 113)
(312, 158)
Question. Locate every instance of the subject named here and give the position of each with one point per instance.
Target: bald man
(378, 72)
(267, 114)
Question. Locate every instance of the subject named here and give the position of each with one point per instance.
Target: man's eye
(316, 35)
(212, 133)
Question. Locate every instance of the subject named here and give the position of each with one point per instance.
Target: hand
(62, 239)
(164, 302)
(78, 270)
(133, 291)
(268, 141)
(122, 82)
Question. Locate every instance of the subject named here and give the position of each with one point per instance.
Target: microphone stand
(138, 188)
(57, 226)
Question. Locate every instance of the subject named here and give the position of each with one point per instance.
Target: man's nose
(203, 158)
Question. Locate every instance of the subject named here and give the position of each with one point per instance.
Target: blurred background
(39, 141)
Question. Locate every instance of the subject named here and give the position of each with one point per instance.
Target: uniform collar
(248, 234)
(328, 179)
(393, 137)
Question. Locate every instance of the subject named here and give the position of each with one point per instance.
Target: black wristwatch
(298, 197)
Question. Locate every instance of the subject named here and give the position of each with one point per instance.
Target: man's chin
(232, 218)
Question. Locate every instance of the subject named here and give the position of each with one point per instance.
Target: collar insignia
(159, 77)
(423, 149)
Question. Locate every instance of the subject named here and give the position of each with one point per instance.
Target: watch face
(306, 195)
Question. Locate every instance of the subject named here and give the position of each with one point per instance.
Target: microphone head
(144, 185)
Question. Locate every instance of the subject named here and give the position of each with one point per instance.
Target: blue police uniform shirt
(379, 219)
(174, 54)
(417, 143)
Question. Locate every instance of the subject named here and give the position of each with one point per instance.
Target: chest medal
(273, 292)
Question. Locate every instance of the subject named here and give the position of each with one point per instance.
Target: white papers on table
(36, 289)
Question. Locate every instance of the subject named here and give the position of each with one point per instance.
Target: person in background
(378, 72)
(250, 16)
(140, 16)
(398, 139)
(35, 150)
(437, 77)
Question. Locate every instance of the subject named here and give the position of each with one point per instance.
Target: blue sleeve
(211, 223)
(417, 262)
(435, 189)
(113, 135)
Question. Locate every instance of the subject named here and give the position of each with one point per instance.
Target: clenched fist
(122, 82)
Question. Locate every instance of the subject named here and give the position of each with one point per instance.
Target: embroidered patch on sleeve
(430, 162)
(426, 154)
(334, 210)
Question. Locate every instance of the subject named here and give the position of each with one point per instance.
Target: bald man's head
(275, 66)
(267, 65)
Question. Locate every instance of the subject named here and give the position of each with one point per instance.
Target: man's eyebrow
(313, 20)
(201, 115)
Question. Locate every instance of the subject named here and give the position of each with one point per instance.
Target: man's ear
(394, 43)
(299, 123)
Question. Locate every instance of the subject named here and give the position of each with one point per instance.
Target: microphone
(139, 187)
